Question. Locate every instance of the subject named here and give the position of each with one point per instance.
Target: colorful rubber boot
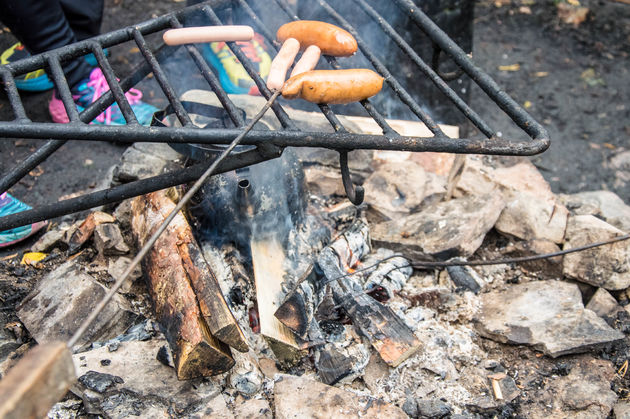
(91, 89)
(9, 205)
(35, 81)
(232, 74)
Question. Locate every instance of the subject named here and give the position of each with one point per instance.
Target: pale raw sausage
(281, 63)
(199, 34)
(308, 61)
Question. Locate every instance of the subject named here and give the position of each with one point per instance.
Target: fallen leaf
(609, 146)
(573, 2)
(33, 259)
(88, 162)
(8, 257)
(541, 73)
(572, 15)
(527, 104)
(510, 67)
(526, 10)
(38, 171)
(594, 146)
(134, 50)
(590, 78)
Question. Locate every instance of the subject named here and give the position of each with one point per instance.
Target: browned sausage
(333, 86)
(331, 39)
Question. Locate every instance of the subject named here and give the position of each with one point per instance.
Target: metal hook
(355, 193)
(435, 64)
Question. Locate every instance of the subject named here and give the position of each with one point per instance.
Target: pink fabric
(100, 86)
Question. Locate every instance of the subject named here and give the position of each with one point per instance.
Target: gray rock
(252, 408)
(604, 204)
(587, 388)
(410, 407)
(397, 189)
(602, 303)
(116, 267)
(300, 397)
(528, 218)
(445, 229)
(434, 408)
(142, 160)
(245, 377)
(549, 268)
(109, 240)
(150, 389)
(63, 299)
(50, 240)
(622, 410)
(530, 314)
(323, 181)
(607, 266)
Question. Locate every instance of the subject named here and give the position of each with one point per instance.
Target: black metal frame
(269, 143)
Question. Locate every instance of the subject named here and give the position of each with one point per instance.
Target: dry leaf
(572, 15)
(510, 67)
(541, 74)
(38, 171)
(33, 259)
(527, 104)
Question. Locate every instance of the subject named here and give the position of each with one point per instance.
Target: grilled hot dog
(333, 86)
(331, 39)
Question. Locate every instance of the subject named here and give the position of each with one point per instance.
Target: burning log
(388, 334)
(175, 270)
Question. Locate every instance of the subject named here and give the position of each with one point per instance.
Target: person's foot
(9, 205)
(91, 89)
(232, 74)
(35, 81)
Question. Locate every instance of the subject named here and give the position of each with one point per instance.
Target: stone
(268, 367)
(434, 408)
(530, 314)
(375, 371)
(606, 266)
(603, 204)
(300, 397)
(50, 240)
(60, 302)
(527, 217)
(245, 377)
(444, 229)
(622, 410)
(109, 240)
(253, 408)
(143, 160)
(397, 189)
(323, 181)
(116, 267)
(602, 303)
(147, 383)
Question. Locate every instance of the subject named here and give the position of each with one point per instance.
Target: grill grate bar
(380, 120)
(114, 86)
(383, 71)
(162, 80)
(247, 64)
(56, 73)
(484, 81)
(132, 189)
(212, 80)
(14, 96)
(427, 70)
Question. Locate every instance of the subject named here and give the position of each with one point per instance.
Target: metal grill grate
(269, 144)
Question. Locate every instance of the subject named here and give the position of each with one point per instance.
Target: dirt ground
(574, 80)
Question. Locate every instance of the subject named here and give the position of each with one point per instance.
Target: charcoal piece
(99, 382)
(461, 276)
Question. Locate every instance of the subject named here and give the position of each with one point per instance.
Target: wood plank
(196, 352)
(37, 381)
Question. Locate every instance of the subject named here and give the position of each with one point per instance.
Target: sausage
(308, 61)
(333, 86)
(281, 63)
(193, 35)
(331, 39)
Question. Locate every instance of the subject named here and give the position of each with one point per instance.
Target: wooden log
(388, 334)
(37, 381)
(268, 257)
(196, 352)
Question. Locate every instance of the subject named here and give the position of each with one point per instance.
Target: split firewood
(84, 232)
(388, 334)
(268, 259)
(172, 278)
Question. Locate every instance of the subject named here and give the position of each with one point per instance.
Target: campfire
(306, 261)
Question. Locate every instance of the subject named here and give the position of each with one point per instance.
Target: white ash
(245, 376)
(391, 274)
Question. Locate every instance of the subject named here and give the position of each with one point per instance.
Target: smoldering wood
(298, 308)
(37, 381)
(388, 334)
(196, 352)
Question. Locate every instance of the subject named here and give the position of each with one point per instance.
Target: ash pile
(273, 296)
